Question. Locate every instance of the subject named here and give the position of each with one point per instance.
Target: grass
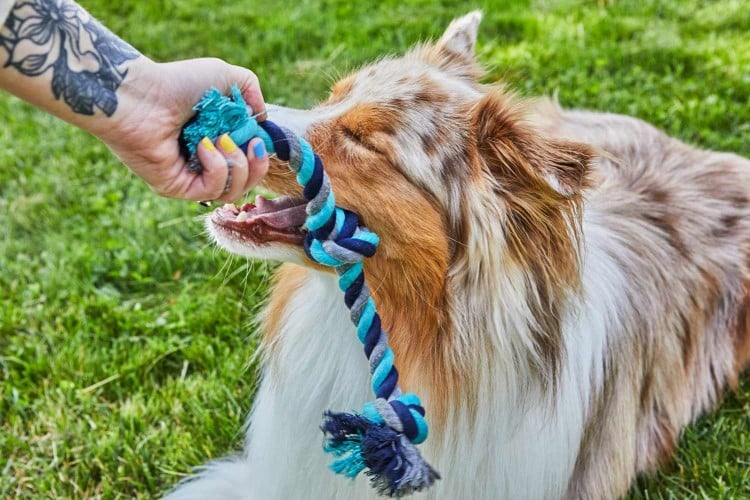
(124, 338)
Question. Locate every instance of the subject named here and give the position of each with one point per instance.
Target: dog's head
(443, 168)
(404, 141)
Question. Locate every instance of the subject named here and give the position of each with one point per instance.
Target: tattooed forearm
(84, 57)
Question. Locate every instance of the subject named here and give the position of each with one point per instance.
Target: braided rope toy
(382, 438)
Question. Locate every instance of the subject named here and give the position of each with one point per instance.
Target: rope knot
(382, 441)
(403, 414)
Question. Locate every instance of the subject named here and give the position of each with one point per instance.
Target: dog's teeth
(241, 217)
(229, 206)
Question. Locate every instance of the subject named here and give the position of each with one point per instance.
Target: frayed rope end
(216, 114)
(393, 463)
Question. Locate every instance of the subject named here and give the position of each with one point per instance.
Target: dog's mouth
(280, 220)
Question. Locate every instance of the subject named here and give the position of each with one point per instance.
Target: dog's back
(675, 222)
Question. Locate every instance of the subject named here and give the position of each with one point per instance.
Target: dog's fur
(566, 290)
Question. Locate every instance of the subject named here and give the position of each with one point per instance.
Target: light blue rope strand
(369, 237)
(382, 370)
(421, 426)
(371, 413)
(317, 220)
(347, 277)
(340, 216)
(308, 163)
(321, 257)
(248, 131)
(365, 321)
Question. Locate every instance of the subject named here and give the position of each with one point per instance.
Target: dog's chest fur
(488, 451)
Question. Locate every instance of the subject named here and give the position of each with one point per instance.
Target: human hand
(157, 101)
(137, 107)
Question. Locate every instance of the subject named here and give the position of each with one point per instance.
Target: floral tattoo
(83, 55)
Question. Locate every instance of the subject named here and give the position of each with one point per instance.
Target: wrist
(140, 86)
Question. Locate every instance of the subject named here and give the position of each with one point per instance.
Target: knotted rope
(382, 438)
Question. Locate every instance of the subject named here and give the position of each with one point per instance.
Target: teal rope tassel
(381, 440)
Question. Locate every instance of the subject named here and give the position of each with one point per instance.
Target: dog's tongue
(281, 213)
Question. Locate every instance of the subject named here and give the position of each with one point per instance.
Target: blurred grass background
(125, 338)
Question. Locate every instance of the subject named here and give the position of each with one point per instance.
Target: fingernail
(207, 144)
(227, 144)
(259, 150)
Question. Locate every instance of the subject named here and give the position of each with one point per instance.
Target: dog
(566, 290)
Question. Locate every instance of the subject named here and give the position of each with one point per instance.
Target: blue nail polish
(259, 150)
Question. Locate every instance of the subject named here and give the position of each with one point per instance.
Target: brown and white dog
(566, 290)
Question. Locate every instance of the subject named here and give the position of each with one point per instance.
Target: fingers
(237, 171)
(227, 172)
(258, 158)
(214, 175)
(250, 88)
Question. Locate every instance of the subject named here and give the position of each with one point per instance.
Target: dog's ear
(454, 52)
(523, 161)
(460, 38)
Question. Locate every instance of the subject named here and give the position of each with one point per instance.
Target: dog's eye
(354, 136)
(359, 140)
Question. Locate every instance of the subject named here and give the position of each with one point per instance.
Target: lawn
(125, 337)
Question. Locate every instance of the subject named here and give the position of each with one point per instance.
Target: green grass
(125, 338)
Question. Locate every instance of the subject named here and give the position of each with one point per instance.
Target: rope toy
(382, 438)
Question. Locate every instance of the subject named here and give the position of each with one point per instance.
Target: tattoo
(84, 56)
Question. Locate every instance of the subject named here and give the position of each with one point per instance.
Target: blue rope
(381, 440)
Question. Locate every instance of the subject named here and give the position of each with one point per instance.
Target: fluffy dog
(566, 290)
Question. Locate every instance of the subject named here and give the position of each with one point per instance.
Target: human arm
(54, 55)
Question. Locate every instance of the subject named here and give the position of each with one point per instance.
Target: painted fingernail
(227, 144)
(207, 144)
(259, 150)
